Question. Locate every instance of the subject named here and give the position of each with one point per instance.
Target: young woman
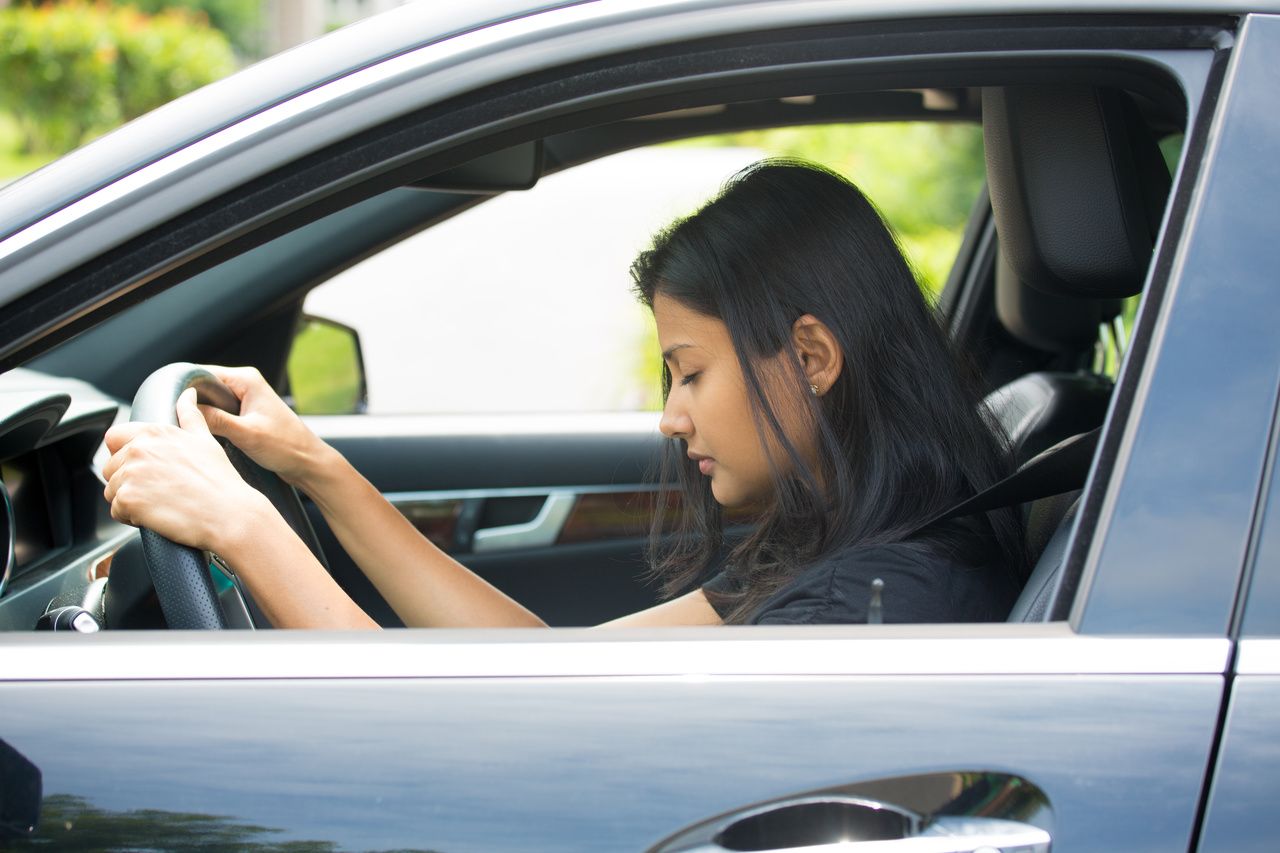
(808, 386)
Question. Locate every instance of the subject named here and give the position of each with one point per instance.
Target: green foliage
(13, 164)
(59, 70)
(239, 20)
(164, 56)
(922, 176)
(73, 70)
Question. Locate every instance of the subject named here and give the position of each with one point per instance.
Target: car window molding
(755, 651)
(312, 187)
(1173, 531)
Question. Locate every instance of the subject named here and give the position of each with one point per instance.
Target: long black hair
(900, 437)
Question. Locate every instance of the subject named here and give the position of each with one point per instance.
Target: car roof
(399, 30)
(245, 93)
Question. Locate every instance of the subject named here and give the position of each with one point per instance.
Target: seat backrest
(1078, 188)
(1039, 410)
(1038, 594)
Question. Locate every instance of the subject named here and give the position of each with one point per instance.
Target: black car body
(1139, 714)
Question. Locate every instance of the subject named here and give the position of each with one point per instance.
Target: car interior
(1055, 251)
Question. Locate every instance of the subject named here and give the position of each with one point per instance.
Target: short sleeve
(721, 591)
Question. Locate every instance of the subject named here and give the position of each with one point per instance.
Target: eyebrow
(666, 354)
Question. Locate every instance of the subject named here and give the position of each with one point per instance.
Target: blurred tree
(241, 21)
(72, 70)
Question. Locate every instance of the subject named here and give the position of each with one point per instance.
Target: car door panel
(1240, 813)
(554, 511)
(549, 752)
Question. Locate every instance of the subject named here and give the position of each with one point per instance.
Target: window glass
(523, 303)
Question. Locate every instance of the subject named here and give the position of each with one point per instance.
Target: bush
(73, 70)
(164, 56)
(239, 20)
(59, 71)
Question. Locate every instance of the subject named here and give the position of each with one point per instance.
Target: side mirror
(325, 371)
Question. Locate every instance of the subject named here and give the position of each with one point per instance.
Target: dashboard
(55, 527)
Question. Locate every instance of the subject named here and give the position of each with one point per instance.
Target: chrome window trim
(405, 498)
(376, 94)
(1258, 656)
(690, 653)
(506, 425)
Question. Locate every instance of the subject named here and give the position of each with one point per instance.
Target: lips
(705, 463)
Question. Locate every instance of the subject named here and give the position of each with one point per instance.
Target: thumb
(189, 417)
(218, 421)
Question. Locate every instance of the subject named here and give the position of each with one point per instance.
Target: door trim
(847, 650)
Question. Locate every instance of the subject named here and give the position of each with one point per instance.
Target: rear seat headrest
(1077, 186)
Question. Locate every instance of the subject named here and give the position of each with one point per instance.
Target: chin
(731, 499)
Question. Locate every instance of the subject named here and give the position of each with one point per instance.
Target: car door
(1096, 730)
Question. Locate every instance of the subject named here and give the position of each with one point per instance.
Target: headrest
(1077, 186)
(1049, 321)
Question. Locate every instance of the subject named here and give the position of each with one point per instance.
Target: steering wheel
(181, 575)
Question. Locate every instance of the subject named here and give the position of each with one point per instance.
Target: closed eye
(688, 380)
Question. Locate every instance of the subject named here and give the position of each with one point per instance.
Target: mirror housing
(324, 374)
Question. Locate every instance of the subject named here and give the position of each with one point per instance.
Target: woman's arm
(691, 608)
(179, 483)
(425, 586)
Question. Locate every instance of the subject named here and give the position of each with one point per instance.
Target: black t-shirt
(919, 586)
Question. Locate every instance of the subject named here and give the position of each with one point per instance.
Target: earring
(813, 389)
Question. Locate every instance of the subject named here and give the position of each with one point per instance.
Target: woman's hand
(179, 482)
(266, 429)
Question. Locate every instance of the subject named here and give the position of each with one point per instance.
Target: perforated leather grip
(182, 583)
(179, 573)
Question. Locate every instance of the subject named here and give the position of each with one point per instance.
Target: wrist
(316, 463)
(249, 521)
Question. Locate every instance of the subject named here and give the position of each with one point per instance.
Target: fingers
(241, 380)
(121, 434)
(189, 417)
(118, 439)
(220, 422)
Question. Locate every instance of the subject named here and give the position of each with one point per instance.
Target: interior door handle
(838, 824)
(540, 532)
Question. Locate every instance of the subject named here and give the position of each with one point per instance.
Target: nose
(675, 422)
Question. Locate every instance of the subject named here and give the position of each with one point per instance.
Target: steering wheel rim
(179, 573)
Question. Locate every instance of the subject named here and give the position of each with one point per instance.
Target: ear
(819, 353)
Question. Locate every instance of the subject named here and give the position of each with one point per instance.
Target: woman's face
(710, 407)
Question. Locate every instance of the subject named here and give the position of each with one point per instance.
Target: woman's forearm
(422, 584)
(284, 578)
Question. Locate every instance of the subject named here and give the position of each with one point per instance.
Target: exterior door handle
(838, 824)
(542, 531)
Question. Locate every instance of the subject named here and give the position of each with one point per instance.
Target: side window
(524, 304)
